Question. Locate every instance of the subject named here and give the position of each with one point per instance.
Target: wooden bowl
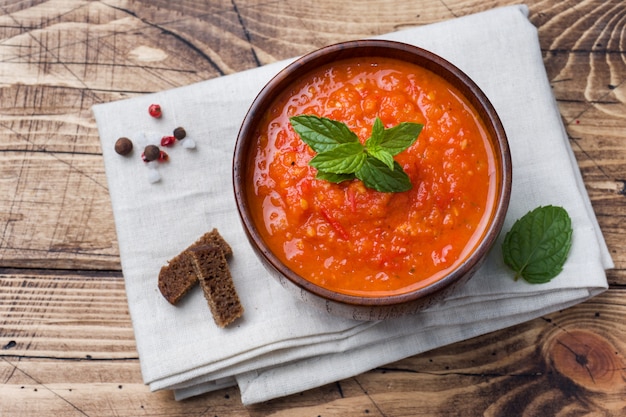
(382, 307)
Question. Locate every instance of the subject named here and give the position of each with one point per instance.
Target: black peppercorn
(151, 153)
(123, 146)
(179, 133)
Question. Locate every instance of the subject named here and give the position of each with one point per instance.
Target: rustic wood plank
(71, 316)
(56, 212)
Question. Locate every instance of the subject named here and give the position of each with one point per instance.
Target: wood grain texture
(66, 341)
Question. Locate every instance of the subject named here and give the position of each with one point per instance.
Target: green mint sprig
(341, 156)
(537, 245)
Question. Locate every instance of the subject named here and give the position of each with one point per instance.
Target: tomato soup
(354, 240)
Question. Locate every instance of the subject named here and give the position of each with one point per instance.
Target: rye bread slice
(217, 283)
(178, 276)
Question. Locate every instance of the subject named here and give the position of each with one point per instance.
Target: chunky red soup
(351, 239)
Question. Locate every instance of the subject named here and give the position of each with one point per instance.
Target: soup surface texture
(354, 240)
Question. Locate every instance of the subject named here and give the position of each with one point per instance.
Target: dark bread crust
(217, 284)
(178, 276)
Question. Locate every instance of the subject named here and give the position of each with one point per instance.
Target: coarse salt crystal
(188, 143)
(153, 175)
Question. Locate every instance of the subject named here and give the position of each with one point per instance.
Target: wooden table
(66, 341)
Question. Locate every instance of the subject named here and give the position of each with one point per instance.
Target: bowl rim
(402, 51)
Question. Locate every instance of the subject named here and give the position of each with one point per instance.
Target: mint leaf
(537, 245)
(322, 134)
(378, 132)
(398, 138)
(385, 143)
(336, 178)
(383, 156)
(378, 176)
(346, 158)
(341, 156)
(373, 144)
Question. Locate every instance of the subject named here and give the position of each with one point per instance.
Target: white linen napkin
(282, 346)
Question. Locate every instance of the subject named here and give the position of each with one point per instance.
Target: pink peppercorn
(168, 140)
(155, 110)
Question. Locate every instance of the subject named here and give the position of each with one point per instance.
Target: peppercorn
(180, 133)
(151, 153)
(155, 110)
(168, 140)
(123, 146)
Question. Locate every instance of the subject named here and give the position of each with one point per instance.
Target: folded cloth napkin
(282, 346)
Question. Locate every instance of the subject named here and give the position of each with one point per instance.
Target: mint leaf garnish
(375, 146)
(322, 134)
(341, 156)
(382, 155)
(376, 175)
(346, 158)
(378, 134)
(537, 245)
(396, 139)
(336, 178)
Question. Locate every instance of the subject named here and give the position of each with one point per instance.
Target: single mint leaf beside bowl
(538, 244)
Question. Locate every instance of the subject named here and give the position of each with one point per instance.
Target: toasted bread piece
(217, 284)
(214, 238)
(178, 276)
